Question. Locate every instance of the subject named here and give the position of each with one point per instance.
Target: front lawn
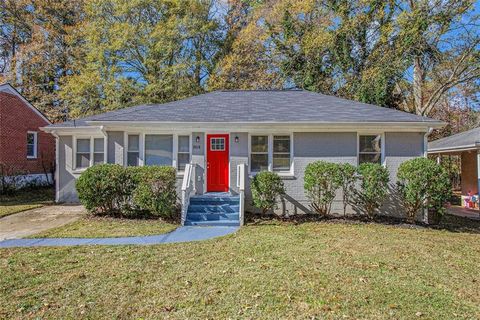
(311, 270)
(93, 227)
(26, 199)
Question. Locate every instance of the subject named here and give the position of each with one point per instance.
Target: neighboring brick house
(25, 150)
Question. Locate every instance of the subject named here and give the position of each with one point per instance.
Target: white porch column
(478, 175)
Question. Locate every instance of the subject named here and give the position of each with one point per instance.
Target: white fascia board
(65, 131)
(236, 126)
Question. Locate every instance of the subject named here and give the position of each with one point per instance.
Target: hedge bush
(322, 180)
(156, 192)
(422, 182)
(373, 189)
(348, 178)
(111, 189)
(266, 187)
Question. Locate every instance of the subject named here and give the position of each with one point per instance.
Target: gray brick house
(219, 140)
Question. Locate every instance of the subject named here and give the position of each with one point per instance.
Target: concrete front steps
(219, 209)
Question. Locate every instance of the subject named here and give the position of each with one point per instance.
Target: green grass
(93, 227)
(25, 200)
(270, 271)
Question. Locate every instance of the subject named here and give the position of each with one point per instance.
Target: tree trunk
(418, 77)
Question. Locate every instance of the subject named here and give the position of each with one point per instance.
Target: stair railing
(241, 190)
(187, 188)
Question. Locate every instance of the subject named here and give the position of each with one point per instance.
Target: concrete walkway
(26, 223)
(182, 234)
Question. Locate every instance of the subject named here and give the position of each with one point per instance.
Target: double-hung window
(89, 151)
(270, 152)
(32, 145)
(370, 149)
(183, 153)
(133, 150)
(158, 150)
(259, 153)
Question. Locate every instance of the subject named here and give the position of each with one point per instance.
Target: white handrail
(241, 190)
(186, 190)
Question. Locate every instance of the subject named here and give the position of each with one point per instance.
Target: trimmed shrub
(266, 188)
(156, 191)
(322, 180)
(348, 179)
(111, 189)
(373, 189)
(422, 182)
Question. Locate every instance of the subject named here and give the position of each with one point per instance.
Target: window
(259, 153)
(183, 156)
(217, 144)
(83, 153)
(133, 151)
(281, 153)
(98, 151)
(158, 149)
(89, 151)
(31, 145)
(370, 149)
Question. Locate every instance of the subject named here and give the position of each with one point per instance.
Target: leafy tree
(266, 188)
(373, 189)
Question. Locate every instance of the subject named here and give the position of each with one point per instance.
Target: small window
(98, 151)
(259, 153)
(158, 149)
(133, 151)
(281, 153)
(183, 156)
(83, 153)
(370, 149)
(31, 145)
(217, 144)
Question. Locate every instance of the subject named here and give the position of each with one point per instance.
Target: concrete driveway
(33, 221)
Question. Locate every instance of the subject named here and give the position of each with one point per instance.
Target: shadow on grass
(449, 222)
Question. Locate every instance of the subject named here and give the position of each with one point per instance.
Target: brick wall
(16, 118)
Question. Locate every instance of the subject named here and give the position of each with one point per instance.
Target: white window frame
(382, 144)
(142, 135)
(91, 138)
(35, 144)
(189, 150)
(286, 173)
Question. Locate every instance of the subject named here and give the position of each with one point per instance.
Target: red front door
(217, 162)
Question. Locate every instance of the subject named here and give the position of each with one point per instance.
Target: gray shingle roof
(463, 140)
(282, 106)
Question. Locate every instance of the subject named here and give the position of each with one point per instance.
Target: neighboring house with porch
(467, 146)
(219, 140)
(25, 151)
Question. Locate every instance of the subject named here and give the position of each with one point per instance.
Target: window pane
(83, 145)
(259, 162)
(83, 160)
(281, 144)
(98, 145)
(259, 143)
(369, 157)
(281, 162)
(30, 138)
(133, 143)
(183, 143)
(133, 159)
(217, 144)
(158, 149)
(183, 159)
(30, 150)
(370, 143)
(98, 158)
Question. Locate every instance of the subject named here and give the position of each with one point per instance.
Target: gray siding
(66, 177)
(116, 146)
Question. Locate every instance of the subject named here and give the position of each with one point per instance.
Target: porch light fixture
(197, 139)
(236, 139)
